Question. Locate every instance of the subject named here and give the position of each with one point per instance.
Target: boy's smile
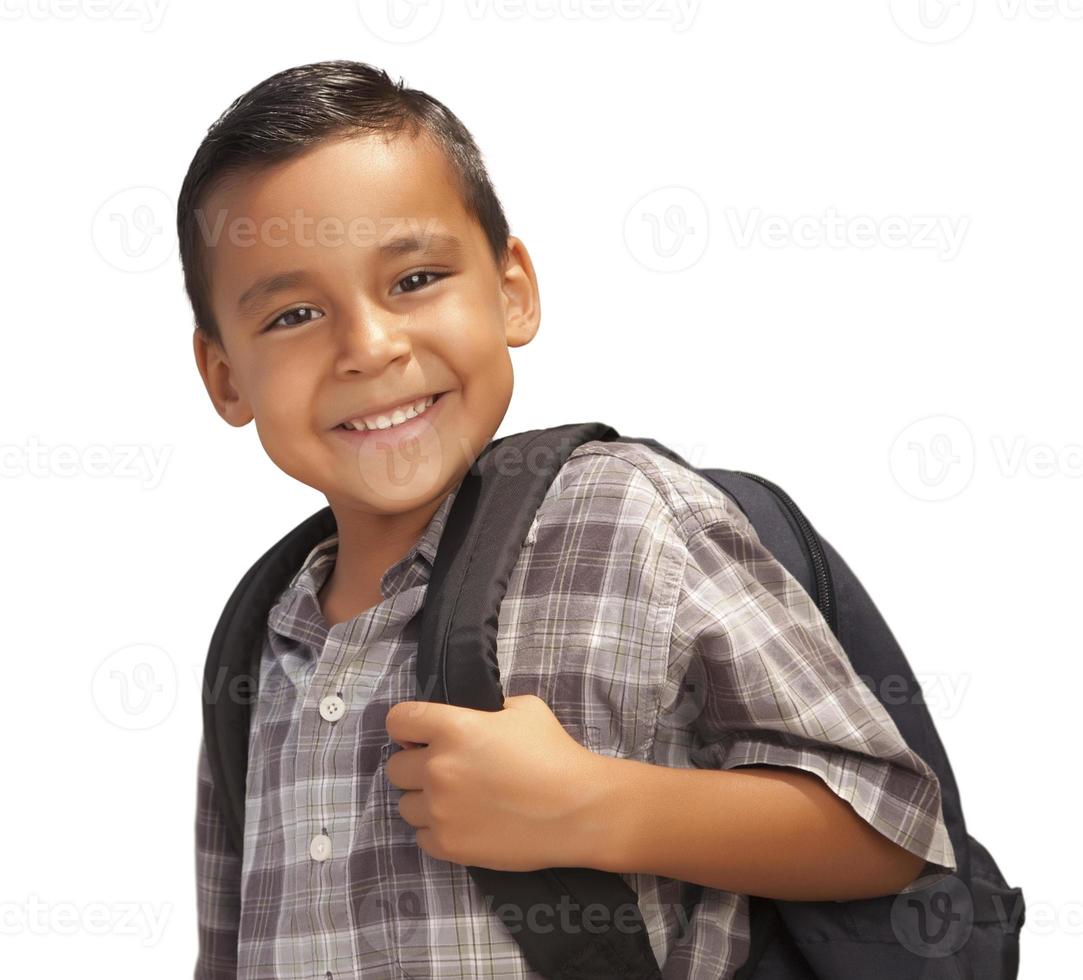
(347, 282)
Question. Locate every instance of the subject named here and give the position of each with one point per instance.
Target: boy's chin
(394, 491)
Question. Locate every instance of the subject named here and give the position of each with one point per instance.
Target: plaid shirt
(646, 613)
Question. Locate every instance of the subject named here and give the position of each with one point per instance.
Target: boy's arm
(779, 833)
(845, 808)
(218, 884)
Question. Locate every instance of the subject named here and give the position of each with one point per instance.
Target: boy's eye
(297, 309)
(417, 275)
(412, 278)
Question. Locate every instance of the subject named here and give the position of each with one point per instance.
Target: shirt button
(320, 848)
(332, 708)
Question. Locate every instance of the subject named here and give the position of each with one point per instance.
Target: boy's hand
(506, 789)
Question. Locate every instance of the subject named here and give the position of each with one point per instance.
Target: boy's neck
(368, 545)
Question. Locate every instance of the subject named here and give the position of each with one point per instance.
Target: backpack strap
(457, 664)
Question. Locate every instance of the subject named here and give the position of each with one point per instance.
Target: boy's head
(344, 253)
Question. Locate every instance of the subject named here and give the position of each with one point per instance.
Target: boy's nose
(367, 341)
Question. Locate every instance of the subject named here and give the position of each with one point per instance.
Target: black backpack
(965, 927)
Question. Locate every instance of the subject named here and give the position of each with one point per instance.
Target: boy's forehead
(358, 192)
(349, 177)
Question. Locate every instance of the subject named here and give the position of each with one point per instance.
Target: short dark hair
(291, 111)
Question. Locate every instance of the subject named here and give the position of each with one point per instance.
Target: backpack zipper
(825, 594)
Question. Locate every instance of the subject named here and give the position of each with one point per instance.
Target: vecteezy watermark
(932, 21)
(409, 21)
(1044, 918)
(307, 231)
(36, 917)
(1040, 9)
(678, 13)
(570, 917)
(225, 686)
(131, 229)
(1037, 459)
(401, 910)
(937, 920)
(937, 21)
(934, 458)
(121, 461)
(942, 693)
(830, 229)
(400, 21)
(934, 921)
(667, 229)
(149, 13)
(135, 687)
(240, 688)
(400, 468)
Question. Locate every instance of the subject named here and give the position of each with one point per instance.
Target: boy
(347, 259)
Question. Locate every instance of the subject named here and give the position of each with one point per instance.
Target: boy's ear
(522, 300)
(215, 370)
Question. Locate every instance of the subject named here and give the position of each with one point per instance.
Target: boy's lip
(395, 435)
(386, 408)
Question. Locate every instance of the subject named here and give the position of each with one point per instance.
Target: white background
(837, 245)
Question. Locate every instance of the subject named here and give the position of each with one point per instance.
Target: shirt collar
(413, 568)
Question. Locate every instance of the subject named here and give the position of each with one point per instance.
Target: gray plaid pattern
(647, 614)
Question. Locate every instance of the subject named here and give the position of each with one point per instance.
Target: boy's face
(362, 329)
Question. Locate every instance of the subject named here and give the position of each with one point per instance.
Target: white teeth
(396, 417)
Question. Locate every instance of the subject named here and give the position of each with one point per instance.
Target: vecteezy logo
(933, 458)
(666, 229)
(400, 21)
(129, 230)
(934, 921)
(932, 21)
(381, 910)
(135, 687)
(396, 470)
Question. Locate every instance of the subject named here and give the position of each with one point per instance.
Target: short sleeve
(218, 883)
(772, 685)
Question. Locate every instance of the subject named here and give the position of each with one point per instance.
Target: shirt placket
(321, 828)
(354, 658)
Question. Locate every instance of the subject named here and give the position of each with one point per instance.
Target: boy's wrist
(606, 824)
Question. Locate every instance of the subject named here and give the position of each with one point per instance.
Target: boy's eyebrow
(433, 242)
(255, 297)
